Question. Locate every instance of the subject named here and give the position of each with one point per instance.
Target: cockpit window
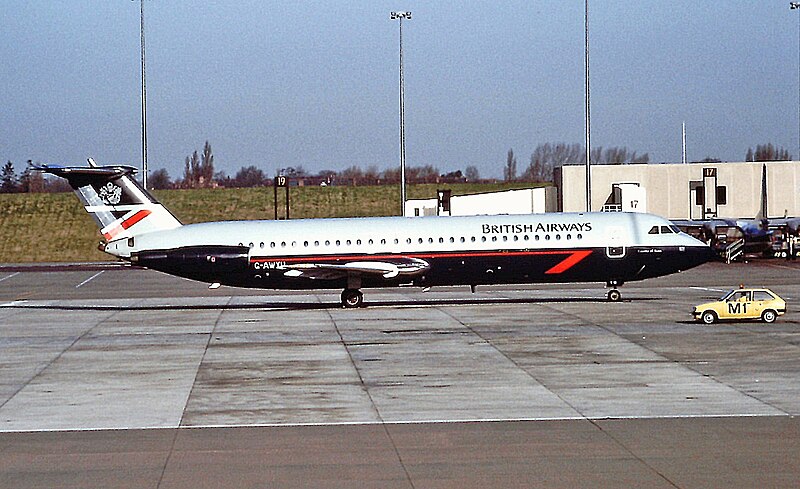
(675, 229)
(653, 230)
(666, 230)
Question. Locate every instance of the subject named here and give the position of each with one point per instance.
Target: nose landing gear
(352, 298)
(614, 295)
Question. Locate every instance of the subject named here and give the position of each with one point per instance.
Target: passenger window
(316, 243)
(349, 242)
(441, 240)
(761, 295)
(358, 242)
(327, 242)
(338, 242)
(305, 243)
(653, 230)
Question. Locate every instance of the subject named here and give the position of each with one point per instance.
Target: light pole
(795, 6)
(144, 100)
(400, 16)
(588, 118)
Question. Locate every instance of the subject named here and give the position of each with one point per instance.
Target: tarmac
(119, 377)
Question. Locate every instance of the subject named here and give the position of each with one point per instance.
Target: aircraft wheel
(769, 316)
(352, 298)
(709, 317)
(614, 295)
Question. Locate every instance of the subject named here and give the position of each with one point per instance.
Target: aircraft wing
(386, 268)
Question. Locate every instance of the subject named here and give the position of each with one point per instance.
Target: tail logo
(110, 194)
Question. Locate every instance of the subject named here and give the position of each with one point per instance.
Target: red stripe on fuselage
(573, 257)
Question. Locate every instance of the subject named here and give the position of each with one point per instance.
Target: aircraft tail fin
(118, 204)
(763, 213)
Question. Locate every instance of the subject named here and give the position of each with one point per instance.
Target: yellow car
(742, 303)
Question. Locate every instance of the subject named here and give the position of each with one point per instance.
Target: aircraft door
(615, 247)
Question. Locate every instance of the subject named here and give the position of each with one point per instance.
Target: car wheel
(769, 316)
(709, 317)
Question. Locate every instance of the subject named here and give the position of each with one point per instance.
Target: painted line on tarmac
(9, 276)
(794, 269)
(13, 303)
(89, 279)
(707, 289)
(402, 422)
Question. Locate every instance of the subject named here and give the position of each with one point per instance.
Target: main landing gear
(614, 295)
(352, 298)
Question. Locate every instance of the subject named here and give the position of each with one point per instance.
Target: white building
(521, 201)
(685, 191)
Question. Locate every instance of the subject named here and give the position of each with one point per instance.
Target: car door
(737, 305)
(761, 300)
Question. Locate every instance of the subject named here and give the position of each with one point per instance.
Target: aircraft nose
(698, 255)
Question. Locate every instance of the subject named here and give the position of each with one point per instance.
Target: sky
(315, 84)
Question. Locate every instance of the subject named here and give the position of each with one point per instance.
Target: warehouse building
(684, 191)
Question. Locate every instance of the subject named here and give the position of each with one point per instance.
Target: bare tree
(768, 152)
(471, 173)
(160, 180)
(206, 168)
(510, 170)
(249, 176)
(548, 156)
(31, 180)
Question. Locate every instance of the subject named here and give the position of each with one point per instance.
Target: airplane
(758, 233)
(356, 253)
(720, 233)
